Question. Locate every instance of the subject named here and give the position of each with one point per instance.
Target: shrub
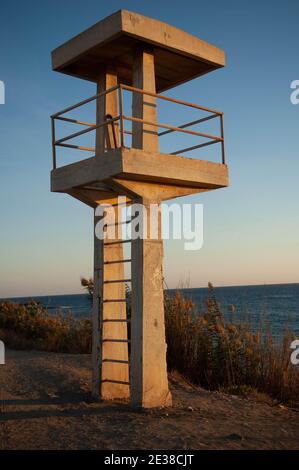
(207, 349)
(230, 355)
(31, 326)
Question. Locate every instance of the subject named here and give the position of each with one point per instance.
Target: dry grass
(204, 347)
(32, 327)
(228, 355)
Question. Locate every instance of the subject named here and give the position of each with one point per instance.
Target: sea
(276, 305)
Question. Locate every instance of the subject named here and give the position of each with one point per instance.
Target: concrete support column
(107, 137)
(144, 106)
(110, 358)
(148, 373)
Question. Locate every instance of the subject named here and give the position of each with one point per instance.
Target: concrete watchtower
(127, 52)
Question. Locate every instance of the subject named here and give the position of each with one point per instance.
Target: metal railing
(118, 123)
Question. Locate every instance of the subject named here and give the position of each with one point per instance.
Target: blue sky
(251, 231)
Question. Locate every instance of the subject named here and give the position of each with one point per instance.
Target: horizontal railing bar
(118, 361)
(114, 301)
(118, 261)
(76, 134)
(121, 382)
(112, 340)
(169, 128)
(76, 147)
(87, 100)
(117, 243)
(173, 100)
(191, 123)
(116, 320)
(74, 106)
(76, 121)
(205, 144)
(85, 131)
(117, 281)
(166, 126)
(137, 90)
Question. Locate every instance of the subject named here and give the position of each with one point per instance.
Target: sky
(251, 229)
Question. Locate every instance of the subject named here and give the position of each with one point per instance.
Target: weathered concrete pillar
(107, 137)
(148, 373)
(144, 106)
(110, 346)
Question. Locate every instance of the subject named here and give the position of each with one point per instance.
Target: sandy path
(46, 404)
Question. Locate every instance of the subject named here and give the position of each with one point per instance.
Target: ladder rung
(114, 300)
(111, 340)
(114, 281)
(126, 203)
(118, 361)
(116, 320)
(118, 261)
(115, 381)
(113, 224)
(117, 243)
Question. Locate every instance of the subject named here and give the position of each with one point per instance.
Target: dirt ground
(46, 404)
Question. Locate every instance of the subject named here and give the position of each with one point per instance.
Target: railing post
(222, 136)
(121, 116)
(53, 143)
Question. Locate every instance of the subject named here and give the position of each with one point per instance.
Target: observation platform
(118, 168)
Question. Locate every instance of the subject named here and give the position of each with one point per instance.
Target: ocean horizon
(276, 304)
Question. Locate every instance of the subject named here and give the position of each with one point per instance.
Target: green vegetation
(204, 347)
